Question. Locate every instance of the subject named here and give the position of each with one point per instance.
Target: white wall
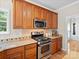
(62, 26)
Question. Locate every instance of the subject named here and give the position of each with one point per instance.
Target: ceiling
(54, 4)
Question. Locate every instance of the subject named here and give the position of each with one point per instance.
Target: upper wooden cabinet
(27, 15)
(43, 14)
(49, 20)
(24, 14)
(54, 20)
(37, 13)
(17, 13)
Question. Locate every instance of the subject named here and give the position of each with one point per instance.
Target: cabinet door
(54, 46)
(59, 43)
(2, 56)
(43, 14)
(37, 12)
(27, 15)
(54, 21)
(49, 20)
(15, 53)
(17, 13)
(30, 51)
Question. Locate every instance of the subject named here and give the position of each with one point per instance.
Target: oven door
(44, 50)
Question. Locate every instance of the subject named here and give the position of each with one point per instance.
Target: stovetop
(42, 40)
(39, 39)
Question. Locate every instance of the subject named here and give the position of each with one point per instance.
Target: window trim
(8, 22)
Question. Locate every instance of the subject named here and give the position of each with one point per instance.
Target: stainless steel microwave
(39, 24)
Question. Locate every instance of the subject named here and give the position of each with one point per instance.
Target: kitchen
(32, 31)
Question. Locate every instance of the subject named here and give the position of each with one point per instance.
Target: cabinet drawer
(30, 46)
(15, 50)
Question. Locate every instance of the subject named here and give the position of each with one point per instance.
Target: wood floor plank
(58, 55)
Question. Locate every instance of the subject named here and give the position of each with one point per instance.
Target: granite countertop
(9, 45)
(53, 37)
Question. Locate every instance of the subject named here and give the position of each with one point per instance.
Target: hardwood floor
(58, 55)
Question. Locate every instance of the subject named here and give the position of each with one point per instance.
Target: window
(4, 21)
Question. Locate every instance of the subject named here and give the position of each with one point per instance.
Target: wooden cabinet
(27, 15)
(23, 52)
(49, 20)
(30, 51)
(2, 55)
(37, 12)
(59, 43)
(43, 14)
(54, 21)
(56, 45)
(15, 53)
(24, 14)
(17, 13)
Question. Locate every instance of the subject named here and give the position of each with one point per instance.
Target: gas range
(44, 44)
(40, 38)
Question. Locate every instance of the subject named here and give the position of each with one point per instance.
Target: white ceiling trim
(69, 5)
(41, 5)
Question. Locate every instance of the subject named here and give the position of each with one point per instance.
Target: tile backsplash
(16, 33)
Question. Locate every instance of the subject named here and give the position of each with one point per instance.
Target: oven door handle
(45, 44)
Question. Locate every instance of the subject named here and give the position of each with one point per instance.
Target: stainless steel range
(44, 44)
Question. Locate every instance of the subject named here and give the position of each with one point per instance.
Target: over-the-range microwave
(41, 24)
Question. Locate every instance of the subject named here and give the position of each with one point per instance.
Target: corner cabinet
(56, 45)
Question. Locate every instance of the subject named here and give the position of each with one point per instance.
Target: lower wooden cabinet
(23, 52)
(15, 53)
(2, 56)
(56, 45)
(53, 46)
(59, 43)
(30, 51)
